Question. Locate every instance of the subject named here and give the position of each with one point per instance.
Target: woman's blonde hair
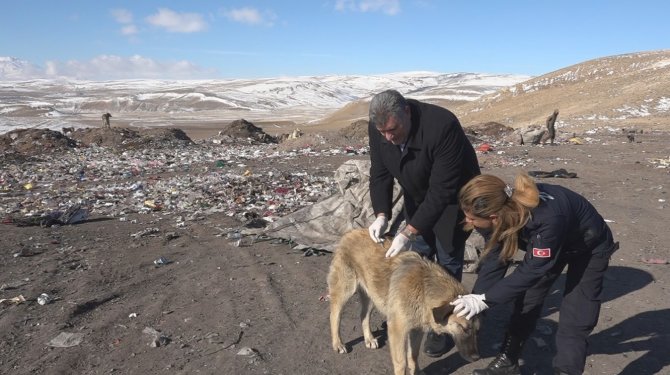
(487, 195)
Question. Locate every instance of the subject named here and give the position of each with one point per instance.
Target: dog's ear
(441, 313)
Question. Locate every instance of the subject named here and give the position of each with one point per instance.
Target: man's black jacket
(437, 161)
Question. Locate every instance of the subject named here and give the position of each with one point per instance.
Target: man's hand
(399, 244)
(469, 305)
(378, 228)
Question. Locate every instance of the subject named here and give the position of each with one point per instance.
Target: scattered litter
(234, 235)
(150, 203)
(247, 351)
(661, 163)
(161, 261)
(484, 148)
(654, 261)
(124, 179)
(14, 300)
(44, 299)
(158, 339)
(66, 340)
(72, 215)
(560, 173)
(324, 297)
(576, 141)
(132, 315)
(171, 236)
(146, 232)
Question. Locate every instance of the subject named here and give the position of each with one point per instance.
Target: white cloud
(110, 67)
(125, 18)
(390, 7)
(251, 16)
(122, 15)
(129, 30)
(177, 22)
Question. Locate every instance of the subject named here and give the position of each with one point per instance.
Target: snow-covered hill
(57, 103)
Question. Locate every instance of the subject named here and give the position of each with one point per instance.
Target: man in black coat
(423, 147)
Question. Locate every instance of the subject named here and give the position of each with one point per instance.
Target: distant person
(424, 147)
(551, 128)
(557, 228)
(105, 120)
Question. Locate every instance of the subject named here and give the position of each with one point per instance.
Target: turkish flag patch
(541, 253)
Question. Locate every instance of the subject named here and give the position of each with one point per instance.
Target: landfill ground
(226, 306)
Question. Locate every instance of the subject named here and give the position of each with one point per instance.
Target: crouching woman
(557, 228)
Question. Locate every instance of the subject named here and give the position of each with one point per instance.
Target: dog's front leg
(366, 311)
(413, 347)
(398, 335)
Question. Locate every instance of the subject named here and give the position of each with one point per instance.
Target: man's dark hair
(384, 105)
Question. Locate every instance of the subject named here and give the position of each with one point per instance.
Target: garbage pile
(167, 172)
(243, 129)
(243, 181)
(24, 141)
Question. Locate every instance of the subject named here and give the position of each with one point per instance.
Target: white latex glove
(399, 244)
(469, 305)
(378, 228)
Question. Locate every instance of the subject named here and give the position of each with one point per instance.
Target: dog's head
(463, 331)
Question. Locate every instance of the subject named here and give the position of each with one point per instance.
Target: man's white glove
(469, 305)
(378, 228)
(399, 244)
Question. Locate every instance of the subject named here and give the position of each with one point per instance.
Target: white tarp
(322, 224)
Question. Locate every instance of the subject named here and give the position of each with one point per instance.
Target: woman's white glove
(378, 228)
(399, 244)
(469, 305)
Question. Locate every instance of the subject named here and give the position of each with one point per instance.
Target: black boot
(437, 345)
(507, 362)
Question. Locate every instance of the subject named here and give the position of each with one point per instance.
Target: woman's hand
(469, 305)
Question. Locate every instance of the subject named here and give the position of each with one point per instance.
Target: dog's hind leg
(413, 346)
(341, 286)
(366, 311)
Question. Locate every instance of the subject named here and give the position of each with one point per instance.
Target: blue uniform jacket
(563, 224)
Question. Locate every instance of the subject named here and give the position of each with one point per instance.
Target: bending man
(423, 147)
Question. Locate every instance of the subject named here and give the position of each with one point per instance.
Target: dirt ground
(262, 308)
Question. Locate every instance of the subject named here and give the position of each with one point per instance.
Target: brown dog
(413, 293)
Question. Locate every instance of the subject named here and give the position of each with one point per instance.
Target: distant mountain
(12, 68)
(52, 103)
(618, 91)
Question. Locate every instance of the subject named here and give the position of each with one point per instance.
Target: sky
(200, 39)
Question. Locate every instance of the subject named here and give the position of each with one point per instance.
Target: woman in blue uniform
(557, 228)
